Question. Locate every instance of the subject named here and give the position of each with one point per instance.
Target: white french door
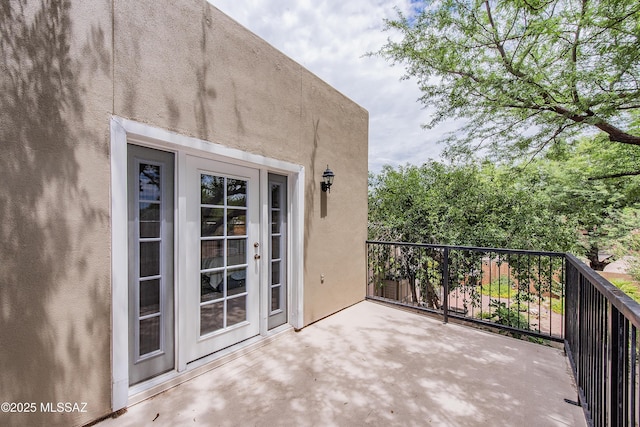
(221, 304)
(186, 247)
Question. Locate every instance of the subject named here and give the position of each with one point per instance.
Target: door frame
(124, 131)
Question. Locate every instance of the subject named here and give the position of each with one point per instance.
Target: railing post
(616, 368)
(445, 285)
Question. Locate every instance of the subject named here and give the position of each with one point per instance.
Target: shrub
(628, 287)
(498, 288)
(508, 316)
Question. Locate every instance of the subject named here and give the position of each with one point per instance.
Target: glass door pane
(277, 250)
(149, 315)
(223, 255)
(151, 231)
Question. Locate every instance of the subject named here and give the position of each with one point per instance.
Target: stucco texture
(191, 69)
(66, 67)
(55, 104)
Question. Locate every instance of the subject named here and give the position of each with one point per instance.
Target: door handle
(256, 256)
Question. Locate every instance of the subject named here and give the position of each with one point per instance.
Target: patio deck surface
(375, 365)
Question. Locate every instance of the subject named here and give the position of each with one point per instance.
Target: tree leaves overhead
(523, 73)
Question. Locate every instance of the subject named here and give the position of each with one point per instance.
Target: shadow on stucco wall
(46, 278)
(205, 93)
(311, 189)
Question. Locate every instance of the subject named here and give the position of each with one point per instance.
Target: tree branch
(574, 54)
(615, 134)
(545, 143)
(499, 46)
(614, 175)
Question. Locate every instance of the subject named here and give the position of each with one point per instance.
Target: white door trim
(124, 131)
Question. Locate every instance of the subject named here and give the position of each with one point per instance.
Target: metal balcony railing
(602, 344)
(518, 291)
(542, 296)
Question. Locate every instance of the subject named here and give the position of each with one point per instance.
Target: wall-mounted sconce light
(327, 179)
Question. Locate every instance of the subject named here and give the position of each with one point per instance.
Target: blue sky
(330, 38)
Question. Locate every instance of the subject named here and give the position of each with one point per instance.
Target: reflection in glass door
(277, 250)
(223, 252)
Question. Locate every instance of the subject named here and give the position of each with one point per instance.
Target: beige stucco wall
(66, 67)
(55, 105)
(187, 67)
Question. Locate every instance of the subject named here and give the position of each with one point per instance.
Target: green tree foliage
(569, 200)
(463, 205)
(524, 73)
(583, 182)
(628, 246)
(474, 205)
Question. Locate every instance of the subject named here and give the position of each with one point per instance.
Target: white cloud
(330, 38)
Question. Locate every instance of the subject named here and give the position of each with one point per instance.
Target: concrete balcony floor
(375, 365)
